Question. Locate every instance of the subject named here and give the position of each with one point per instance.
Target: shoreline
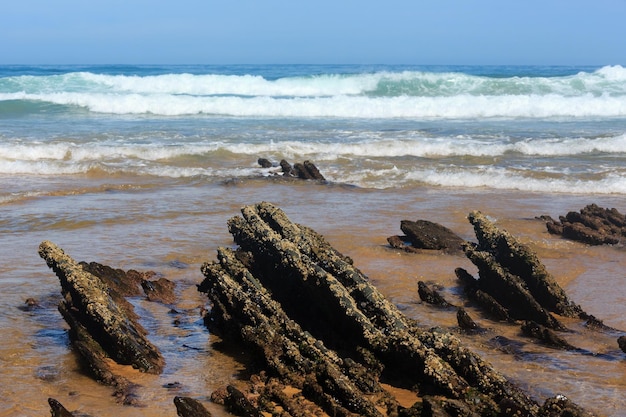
(355, 221)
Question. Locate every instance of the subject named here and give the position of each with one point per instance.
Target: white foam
(243, 85)
(457, 107)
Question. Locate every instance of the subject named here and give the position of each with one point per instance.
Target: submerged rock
(430, 295)
(305, 170)
(161, 290)
(593, 225)
(317, 324)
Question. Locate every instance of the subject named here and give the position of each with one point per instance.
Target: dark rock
(125, 283)
(265, 163)
(57, 409)
(445, 407)
(161, 290)
(487, 302)
(430, 296)
(424, 234)
(506, 345)
(621, 342)
(401, 242)
(237, 403)
(307, 171)
(548, 336)
(101, 325)
(509, 290)
(465, 321)
(189, 407)
(316, 323)
(561, 406)
(513, 274)
(593, 225)
(287, 169)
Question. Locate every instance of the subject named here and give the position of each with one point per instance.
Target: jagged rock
(237, 403)
(445, 407)
(308, 171)
(189, 407)
(509, 290)
(487, 302)
(548, 336)
(101, 324)
(513, 282)
(430, 296)
(621, 342)
(465, 321)
(130, 283)
(428, 235)
(593, 225)
(161, 290)
(265, 163)
(317, 324)
(512, 273)
(57, 409)
(125, 283)
(561, 406)
(305, 170)
(423, 234)
(287, 169)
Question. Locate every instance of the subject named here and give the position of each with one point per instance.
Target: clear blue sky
(557, 32)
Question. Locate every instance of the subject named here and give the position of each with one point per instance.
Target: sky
(430, 32)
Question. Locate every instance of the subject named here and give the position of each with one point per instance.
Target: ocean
(141, 166)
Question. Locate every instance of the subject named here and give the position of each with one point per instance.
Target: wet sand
(173, 228)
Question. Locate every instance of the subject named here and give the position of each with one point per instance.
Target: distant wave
(398, 146)
(456, 107)
(405, 94)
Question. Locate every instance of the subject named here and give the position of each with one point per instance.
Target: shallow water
(172, 227)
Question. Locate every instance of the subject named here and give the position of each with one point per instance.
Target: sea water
(141, 166)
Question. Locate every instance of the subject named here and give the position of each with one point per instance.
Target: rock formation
(621, 342)
(593, 225)
(424, 234)
(305, 170)
(513, 275)
(317, 325)
(514, 285)
(102, 323)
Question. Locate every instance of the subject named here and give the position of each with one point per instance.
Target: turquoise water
(550, 129)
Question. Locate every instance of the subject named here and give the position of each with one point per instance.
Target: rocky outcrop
(424, 234)
(190, 407)
(317, 325)
(512, 274)
(57, 409)
(514, 285)
(185, 407)
(102, 323)
(593, 225)
(303, 170)
(430, 295)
